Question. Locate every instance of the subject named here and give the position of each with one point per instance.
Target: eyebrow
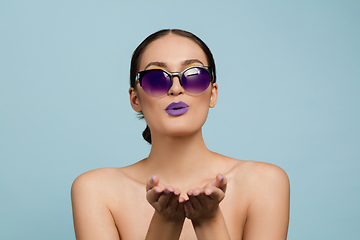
(191, 61)
(184, 63)
(158, 64)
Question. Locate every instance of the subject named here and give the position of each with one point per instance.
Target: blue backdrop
(289, 81)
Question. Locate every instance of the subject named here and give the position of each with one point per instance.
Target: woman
(182, 190)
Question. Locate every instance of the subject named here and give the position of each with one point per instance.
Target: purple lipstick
(177, 108)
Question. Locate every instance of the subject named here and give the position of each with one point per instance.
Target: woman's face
(173, 53)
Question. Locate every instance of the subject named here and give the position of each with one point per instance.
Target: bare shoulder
(258, 179)
(99, 182)
(259, 173)
(96, 174)
(96, 178)
(267, 190)
(91, 196)
(251, 173)
(105, 182)
(269, 183)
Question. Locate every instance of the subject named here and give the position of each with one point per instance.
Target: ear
(134, 100)
(214, 94)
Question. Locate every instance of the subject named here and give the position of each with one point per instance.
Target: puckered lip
(176, 106)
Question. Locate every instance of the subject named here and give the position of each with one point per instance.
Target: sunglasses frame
(140, 75)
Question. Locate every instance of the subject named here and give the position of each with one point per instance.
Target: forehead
(172, 50)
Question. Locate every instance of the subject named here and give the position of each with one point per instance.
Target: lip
(177, 108)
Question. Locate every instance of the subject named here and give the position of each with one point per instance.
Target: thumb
(152, 182)
(221, 182)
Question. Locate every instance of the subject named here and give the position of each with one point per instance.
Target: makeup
(177, 108)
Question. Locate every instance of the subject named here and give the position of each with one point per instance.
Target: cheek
(149, 107)
(201, 107)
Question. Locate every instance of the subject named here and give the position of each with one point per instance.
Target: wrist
(163, 229)
(211, 228)
(170, 221)
(208, 220)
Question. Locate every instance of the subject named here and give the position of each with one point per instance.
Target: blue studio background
(289, 81)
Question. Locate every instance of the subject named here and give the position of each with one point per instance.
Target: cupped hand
(165, 199)
(204, 202)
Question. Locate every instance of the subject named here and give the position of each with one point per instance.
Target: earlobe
(214, 94)
(134, 100)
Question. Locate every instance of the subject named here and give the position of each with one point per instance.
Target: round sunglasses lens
(156, 83)
(195, 80)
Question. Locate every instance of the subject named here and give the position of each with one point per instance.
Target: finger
(215, 194)
(181, 200)
(180, 205)
(190, 192)
(173, 201)
(221, 182)
(204, 199)
(189, 210)
(165, 197)
(153, 195)
(152, 182)
(159, 189)
(194, 198)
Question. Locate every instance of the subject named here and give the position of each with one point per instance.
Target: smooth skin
(182, 190)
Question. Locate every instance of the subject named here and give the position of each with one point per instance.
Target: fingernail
(156, 191)
(196, 194)
(152, 179)
(222, 177)
(168, 191)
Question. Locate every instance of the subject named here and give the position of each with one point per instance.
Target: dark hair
(136, 58)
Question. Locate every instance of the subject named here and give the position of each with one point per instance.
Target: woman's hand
(204, 211)
(166, 200)
(202, 208)
(203, 203)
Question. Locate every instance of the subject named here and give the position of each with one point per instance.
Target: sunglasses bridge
(175, 74)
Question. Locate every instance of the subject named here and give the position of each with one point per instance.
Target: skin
(182, 190)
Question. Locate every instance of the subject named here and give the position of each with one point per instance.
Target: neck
(178, 157)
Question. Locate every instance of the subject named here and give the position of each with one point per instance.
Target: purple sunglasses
(157, 82)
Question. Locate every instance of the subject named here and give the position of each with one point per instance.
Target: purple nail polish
(168, 191)
(222, 177)
(152, 179)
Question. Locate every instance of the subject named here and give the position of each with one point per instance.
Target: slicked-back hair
(136, 58)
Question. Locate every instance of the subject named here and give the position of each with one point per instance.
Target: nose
(176, 88)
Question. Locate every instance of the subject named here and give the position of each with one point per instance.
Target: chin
(183, 133)
(182, 130)
(179, 126)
